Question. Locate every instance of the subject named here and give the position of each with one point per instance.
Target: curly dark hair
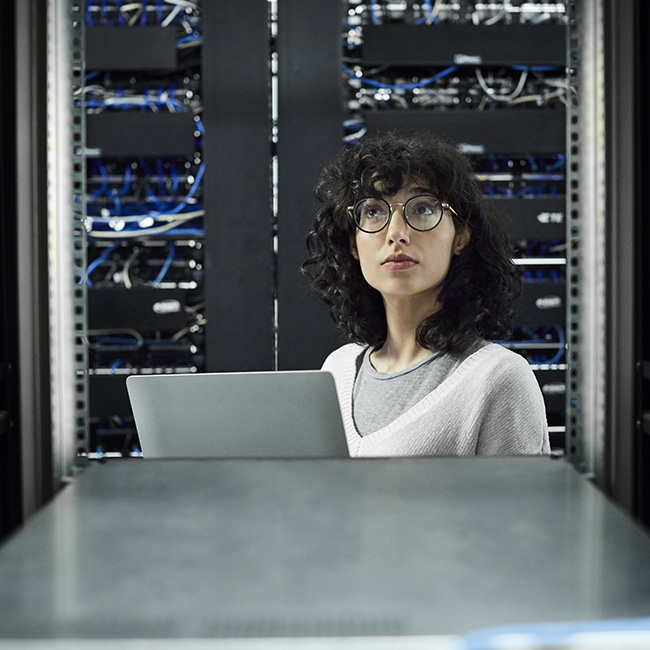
(482, 284)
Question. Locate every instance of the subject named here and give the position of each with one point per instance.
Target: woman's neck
(400, 349)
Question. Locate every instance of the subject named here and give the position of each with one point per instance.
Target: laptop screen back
(283, 414)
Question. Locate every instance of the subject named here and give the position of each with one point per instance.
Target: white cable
(138, 7)
(139, 217)
(496, 18)
(126, 278)
(172, 14)
(194, 43)
(538, 98)
(131, 234)
(181, 333)
(92, 88)
(501, 98)
(182, 3)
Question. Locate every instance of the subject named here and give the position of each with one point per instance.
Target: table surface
(174, 549)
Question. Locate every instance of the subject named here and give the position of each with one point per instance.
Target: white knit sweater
(491, 404)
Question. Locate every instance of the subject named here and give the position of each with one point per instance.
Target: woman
(418, 276)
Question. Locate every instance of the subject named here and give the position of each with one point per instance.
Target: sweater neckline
(437, 394)
(378, 374)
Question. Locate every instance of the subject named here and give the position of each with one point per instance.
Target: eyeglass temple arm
(446, 206)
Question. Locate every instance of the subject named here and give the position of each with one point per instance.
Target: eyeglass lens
(422, 213)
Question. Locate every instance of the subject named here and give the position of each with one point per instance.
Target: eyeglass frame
(443, 204)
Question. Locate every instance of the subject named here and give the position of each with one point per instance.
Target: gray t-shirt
(379, 398)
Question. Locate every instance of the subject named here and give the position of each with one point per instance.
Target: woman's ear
(353, 247)
(463, 235)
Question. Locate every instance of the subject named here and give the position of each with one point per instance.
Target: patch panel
(163, 264)
(453, 88)
(470, 13)
(145, 219)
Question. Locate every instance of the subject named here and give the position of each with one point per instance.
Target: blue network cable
(127, 178)
(160, 172)
(100, 260)
(102, 172)
(429, 8)
(188, 196)
(187, 232)
(89, 17)
(531, 161)
(92, 75)
(373, 14)
(164, 209)
(175, 178)
(120, 16)
(408, 86)
(194, 36)
(143, 15)
(166, 265)
(536, 68)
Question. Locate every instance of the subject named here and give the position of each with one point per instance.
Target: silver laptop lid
(283, 414)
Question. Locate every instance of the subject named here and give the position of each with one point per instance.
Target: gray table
(308, 548)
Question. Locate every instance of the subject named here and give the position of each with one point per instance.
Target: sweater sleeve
(342, 365)
(514, 420)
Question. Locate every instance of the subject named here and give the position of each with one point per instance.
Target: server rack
(303, 127)
(292, 104)
(143, 205)
(408, 66)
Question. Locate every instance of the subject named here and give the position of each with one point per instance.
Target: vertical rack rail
(66, 236)
(78, 213)
(586, 231)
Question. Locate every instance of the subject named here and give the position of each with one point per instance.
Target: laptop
(281, 414)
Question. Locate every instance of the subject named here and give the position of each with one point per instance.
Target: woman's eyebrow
(420, 190)
(414, 191)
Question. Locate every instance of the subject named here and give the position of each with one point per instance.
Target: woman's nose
(398, 229)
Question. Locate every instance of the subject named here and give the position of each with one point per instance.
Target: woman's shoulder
(498, 354)
(498, 363)
(341, 356)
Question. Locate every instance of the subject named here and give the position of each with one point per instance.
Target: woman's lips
(398, 262)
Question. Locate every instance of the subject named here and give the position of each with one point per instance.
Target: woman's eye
(423, 209)
(373, 212)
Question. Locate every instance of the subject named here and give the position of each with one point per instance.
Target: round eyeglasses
(422, 212)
